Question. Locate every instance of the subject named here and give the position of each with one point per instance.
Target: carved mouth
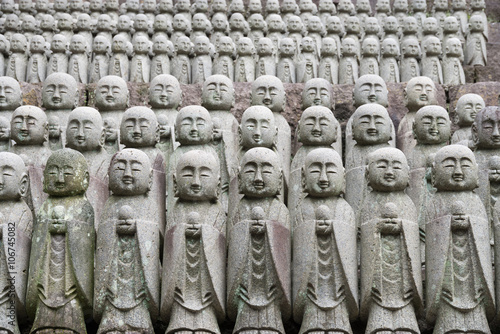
(195, 188)
(458, 178)
(316, 133)
(323, 184)
(127, 179)
(372, 98)
(259, 185)
(423, 98)
(110, 99)
(372, 132)
(434, 133)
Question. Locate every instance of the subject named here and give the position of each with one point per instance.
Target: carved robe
(409, 68)
(244, 69)
(453, 72)
(224, 65)
(325, 285)
(37, 68)
(307, 67)
(160, 64)
(368, 65)
(461, 134)
(389, 69)
(98, 67)
(431, 67)
(58, 62)
(119, 65)
(61, 276)
(181, 68)
(258, 278)
(16, 66)
(140, 68)
(78, 66)
(201, 68)
(475, 49)
(348, 70)
(266, 66)
(286, 70)
(329, 69)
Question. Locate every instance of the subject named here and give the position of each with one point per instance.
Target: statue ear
(102, 139)
(24, 185)
(86, 180)
(176, 190)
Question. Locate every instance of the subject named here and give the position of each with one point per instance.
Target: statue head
(477, 4)
(183, 45)
(441, 5)
(420, 92)
(389, 48)
(334, 25)
(432, 46)
(101, 45)
(287, 47)
(29, 24)
(318, 92)
(139, 128)
(141, 22)
(10, 93)
(370, 47)
(111, 93)
(141, 44)
(237, 21)
(119, 44)
(219, 6)
(197, 176)
(485, 132)
(7, 6)
(149, 6)
(372, 26)
(383, 6)
(11, 22)
(111, 129)
(453, 47)
(85, 130)
(348, 47)
(226, 46)
(193, 126)
(370, 88)
(450, 24)
(202, 45)
(200, 21)
(42, 5)
(54, 127)
(459, 5)
(314, 24)
(317, 126)
(161, 23)
(430, 25)
(162, 45)
(323, 173)
(83, 23)
(236, 6)
(13, 177)
(181, 23)
(78, 44)
(352, 25)
(4, 129)
(494, 169)
(410, 47)
(166, 6)
(254, 6)
(307, 6)
(256, 22)
(328, 47)
(25, 5)
(295, 24)
(476, 23)
(124, 23)
(130, 173)
(419, 5)
(268, 90)
(18, 43)
(371, 125)
(165, 92)
(66, 173)
(104, 23)
(454, 169)
(468, 106)
(432, 125)
(182, 5)
(4, 45)
(112, 5)
(29, 126)
(201, 6)
(218, 93)
(65, 22)
(289, 6)
(410, 25)
(219, 21)
(265, 47)
(272, 6)
(275, 22)
(164, 127)
(363, 6)
(75, 5)
(260, 174)
(95, 5)
(387, 170)
(59, 44)
(258, 128)
(245, 47)
(391, 25)
(60, 5)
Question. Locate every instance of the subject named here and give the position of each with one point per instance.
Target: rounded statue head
(149, 6)
(432, 125)
(432, 46)
(275, 22)
(111, 129)
(124, 23)
(59, 44)
(328, 47)
(387, 170)
(104, 23)
(348, 47)
(193, 126)
(111, 93)
(371, 125)
(323, 173)
(85, 130)
(83, 23)
(60, 5)
(218, 93)
(289, 6)
(65, 22)
(10, 93)
(13, 177)
(477, 4)
(453, 47)
(245, 47)
(410, 47)
(4, 129)
(226, 46)
(47, 23)
(220, 22)
(166, 6)
(162, 45)
(485, 132)
(59, 91)
(4, 45)
(183, 45)
(410, 25)
(450, 24)
(200, 21)
(42, 5)
(29, 126)
(236, 6)
(419, 5)
(165, 92)
(391, 24)
(383, 6)
(101, 45)
(29, 24)
(18, 43)
(455, 169)
(139, 128)
(11, 22)
(295, 24)
(353, 25)
(420, 92)
(66, 173)
(476, 23)
(161, 23)
(370, 47)
(260, 173)
(255, 6)
(272, 6)
(202, 45)
(163, 126)
(268, 90)
(314, 24)
(430, 25)
(363, 6)
(78, 44)
(141, 22)
(370, 88)
(25, 5)
(400, 5)
(317, 126)
(197, 176)
(372, 26)
(265, 47)
(287, 47)
(390, 47)
(468, 106)
(112, 5)
(7, 6)
(256, 21)
(258, 128)
(201, 6)
(318, 92)
(130, 173)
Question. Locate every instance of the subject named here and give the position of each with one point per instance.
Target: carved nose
(60, 177)
(258, 176)
(137, 129)
(24, 125)
(128, 170)
(495, 132)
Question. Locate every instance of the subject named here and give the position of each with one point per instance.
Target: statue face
(265, 46)
(193, 126)
(29, 23)
(467, 108)
(454, 47)
(370, 47)
(258, 128)
(180, 22)
(455, 169)
(494, 169)
(432, 125)
(75, 5)
(272, 6)
(328, 47)
(4, 129)
(42, 5)
(390, 47)
(451, 24)
(219, 21)
(218, 93)
(199, 21)
(372, 126)
(124, 23)
(388, 170)
(477, 4)
(260, 173)
(372, 25)
(245, 46)
(83, 22)
(383, 5)
(237, 21)
(77, 44)
(65, 22)
(165, 92)
(410, 48)
(183, 45)
(323, 173)
(308, 44)
(201, 5)
(141, 45)
(391, 24)
(129, 173)
(289, 6)
(85, 130)
(11, 22)
(111, 93)
(25, 5)
(59, 92)
(294, 23)
(370, 89)
(400, 5)
(314, 24)
(119, 44)
(419, 5)
(420, 92)
(10, 93)
(165, 6)
(29, 125)
(334, 24)
(363, 6)
(476, 23)
(317, 127)
(317, 93)
(13, 176)
(100, 45)
(410, 25)
(138, 127)
(161, 23)
(287, 47)
(226, 45)
(197, 177)
(133, 5)
(18, 43)
(256, 21)
(430, 25)
(95, 5)
(352, 24)
(254, 6)
(60, 5)
(112, 5)
(47, 22)
(349, 47)
(202, 45)
(149, 5)
(487, 128)
(104, 22)
(65, 174)
(111, 129)
(164, 128)
(274, 22)
(441, 4)
(141, 22)
(160, 45)
(268, 91)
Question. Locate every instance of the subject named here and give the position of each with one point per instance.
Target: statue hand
(126, 226)
(58, 226)
(258, 227)
(447, 296)
(323, 227)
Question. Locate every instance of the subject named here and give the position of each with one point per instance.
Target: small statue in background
(162, 26)
(11, 26)
(201, 26)
(289, 8)
(353, 30)
(141, 27)
(104, 27)
(111, 97)
(65, 26)
(363, 11)
(181, 64)
(124, 27)
(223, 63)
(99, 65)
(220, 27)
(430, 28)
(55, 133)
(58, 61)
(4, 54)
(238, 27)
(257, 27)
(372, 30)
(140, 65)
(295, 31)
(37, 62)
(78, 61)
(181, 28)
(275, 29)
(244, 66)
(453, 71)
(451, 29)
(201, 64)
(329, 62)
(307, 62)
(272, 7)
(370, 53)
(348, 65)
(266, 62)
(119, 64)
(285, 69)
(391, 28)
(409, 29)
(345, 9)
(419, 9)
(440, 11)
(307, 9)
(29, 27)
(466, 109)
(111, 140)
(84, 28)
(389, 67)
(382, 10)
(335, 30)
(431, 64)
(316, 31)
(18, 59)
(410, 54)
(475, 49)
(163, 49)
(478, 7)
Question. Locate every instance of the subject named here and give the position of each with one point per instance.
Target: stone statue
(220, 26)
(55, 133)
(316, 31)
(37, 62)
(111, 97)
(99, 65)
(201, 64)
(5, 141)
(218, 7)
(65, 26)
(164, 143)
(451, 29)
(289, 8)
(329, 62)
(389, 67)
(363, 11)
(140, 65)
(4, 54)
(257, 27)
(272, 7)
(11, 26)
(453, 72)
(391, 281)
(163, 49)
(466, 109)
(308, 60)
(200, 6)
(431, 28)
(10, 96)
(266, 61)
(18, 59)
(85, 133)
(238, 27)
(372, 30)
(419, 8)
(84, 28)
(223, 63)
(193, 282)
(181, 27)
(124, 27)
(257, 129)
(440, 11)
(325, 285)
(183, 7)
(475, 48)
(244, 65)
(345, 9)
(459, 277)
(431, 64)
(382, 10)
(201, 26)
(296, 31)
(75, 7)
(410, 28)
(111, 140)
(391, 28)
(409, 65)
(95, 7)
(119, 64)
(419, 92)
(276, 28)
(61, 275)
(29, 27)
(348, 66)
(371, 129)
(58, 61)
(258, 280)
(181, 65)
(162, 26)
(127, 287)
(370, 52)
(270, 92)
(112, 8)
(141, 27)
(165, 96)
(478, 7)
(78, 61)
(17, 226)
(307, 9)
(286, 67)
(353, 30)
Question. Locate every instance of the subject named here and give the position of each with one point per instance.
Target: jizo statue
(410, 56)
(389, 65)
(140, 65)
(111, 96)
(165, 97)
(475, 49)
(18, 60)
(163, 49)
(78, 61)
(181, 65)
(119, 64)
(37, 62)
(325, 285)
(266, 62)
(453, 72)
(467, 107)
(348, 66)
(10, 96)
(286, 67)
(410, 28)
(58, 61)
(431, 64)
(223, 63)
(56, 140)
(370, 53)
(100, 61)
(61, 280)
(201, 64)
(244, 65)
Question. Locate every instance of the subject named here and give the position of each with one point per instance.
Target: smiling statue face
(197, 176)
(371, 125)
(317, 92)
(268, 90)
(66, 173)
(432, 125)
(59, 91)
(468, 106)
(111, 93)
(13, 176)
(193, 126)
(130, 173)
(260, 173)
(323, 173)
(387, 170)
(85, 129)
(370, 89)
(10, 93)
(420, 92)
(29, 126)
(455, 169)
(317, 126)
(165, 92)
(486, 128)
(258, 128)
(218, 93)
(138, 127)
